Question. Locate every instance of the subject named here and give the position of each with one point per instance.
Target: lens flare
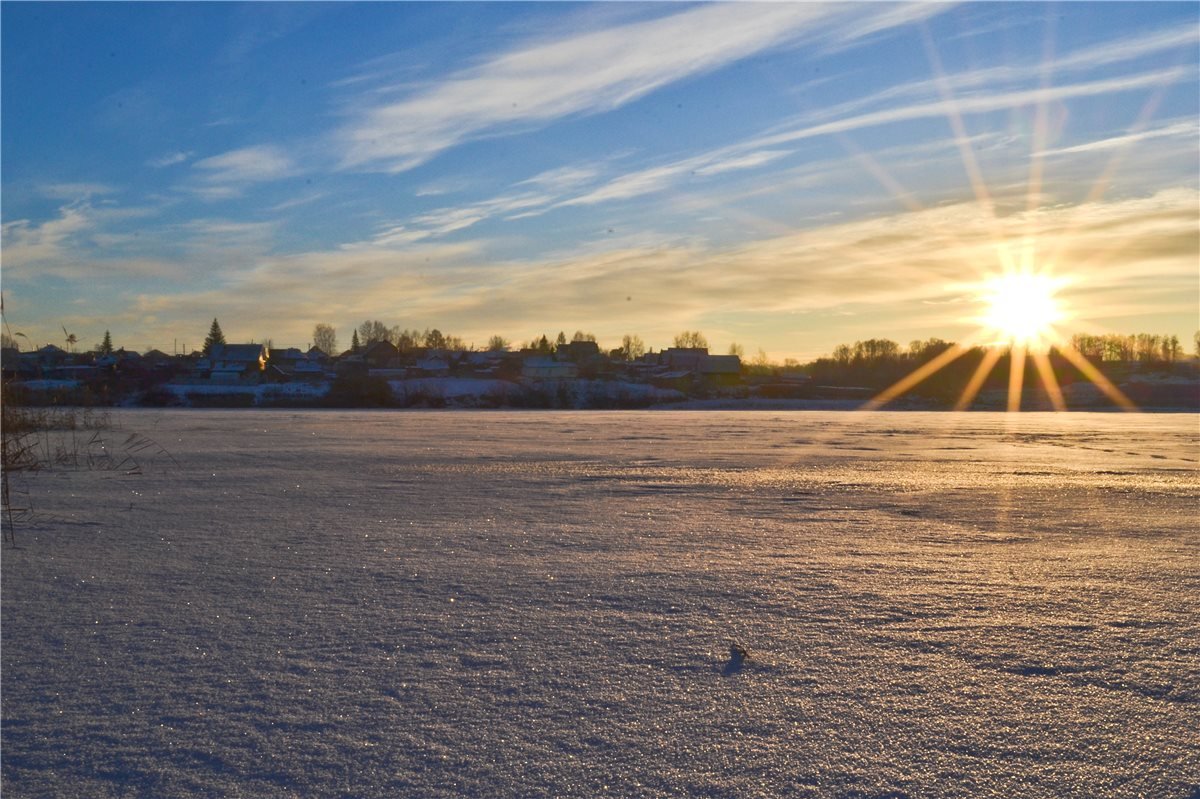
(1022, 309)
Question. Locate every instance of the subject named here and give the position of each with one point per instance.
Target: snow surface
(541, 604)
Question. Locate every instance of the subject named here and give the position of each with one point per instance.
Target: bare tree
(408, 339)
(691, 339)
(325, 338)
(632, 347)
(498, 343)
(434, 340)
(373, 330)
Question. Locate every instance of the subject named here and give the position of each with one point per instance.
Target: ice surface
(528, 604)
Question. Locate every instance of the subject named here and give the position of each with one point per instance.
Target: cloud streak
(583, 74)
(1088, 58)
(910, 271)
(75, 246)
(228, 174)
(1189, 130)
(170, 159)
(765, 148)
(980, 104)
(246, 165)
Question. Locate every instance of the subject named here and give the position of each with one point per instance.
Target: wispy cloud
(886, 17)
(28, 246)
(76, 246)
(659, 178)
(246, 165)
(435, 188)
(296, 202)
(227, 233)
(75, 191)
(747, 161)
(907, 270)
(583, 74)
(255, 27)
(1013, 74)
(1128, 49)
(563, 178)
(1189, 130)
(980, 103)
(763, 149)
(228, 175)
(444, 221)
(552, 189)
(371, 283)
(170, 159)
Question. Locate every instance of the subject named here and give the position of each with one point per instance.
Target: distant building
(721, 370)
(579, 351)
(295, 364)
(678, 359)
(548, 369)
(236, 363)
(381, 355)
(432, 366)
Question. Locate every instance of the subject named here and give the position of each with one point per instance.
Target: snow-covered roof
(237, 352)
(721, 365)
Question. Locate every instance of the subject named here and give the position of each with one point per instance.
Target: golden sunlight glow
(1022, 309)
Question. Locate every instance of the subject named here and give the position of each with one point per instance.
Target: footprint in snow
(737, 658)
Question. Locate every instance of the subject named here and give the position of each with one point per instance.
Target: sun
(1021, 309)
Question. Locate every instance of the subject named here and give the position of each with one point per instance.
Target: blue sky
(787, 176)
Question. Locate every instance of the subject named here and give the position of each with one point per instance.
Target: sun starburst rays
(1021, 307)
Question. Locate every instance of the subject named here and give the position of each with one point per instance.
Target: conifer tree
(106, 346)
(354, 342)
(215, 337)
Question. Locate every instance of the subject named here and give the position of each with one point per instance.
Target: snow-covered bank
(508, 604)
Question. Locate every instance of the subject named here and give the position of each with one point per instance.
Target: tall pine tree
(215, 337)
(106, 347)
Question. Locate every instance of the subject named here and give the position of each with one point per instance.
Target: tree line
(879, 363)
(1143, 347)
(370, 331)
(876, 356)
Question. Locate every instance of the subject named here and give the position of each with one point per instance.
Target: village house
(684, 367)
(236, 363)
(295, 364)
(682, 359)
(721, 371)
(432, 365)
(381, 355)
(548, 369)
(581, 352)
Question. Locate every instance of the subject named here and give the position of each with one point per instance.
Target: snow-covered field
(526, 604)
